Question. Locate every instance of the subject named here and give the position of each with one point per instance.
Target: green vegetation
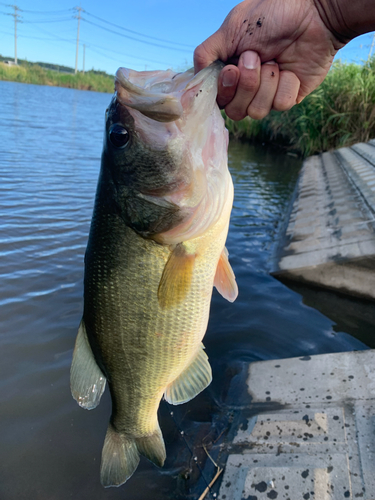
(339, 113)
(55, 67)
(33, 73)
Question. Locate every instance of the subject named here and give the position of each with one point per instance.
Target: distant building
(10, 63)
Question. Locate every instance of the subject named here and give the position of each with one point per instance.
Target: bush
(339, 113)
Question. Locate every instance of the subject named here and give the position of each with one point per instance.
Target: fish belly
(140, 346)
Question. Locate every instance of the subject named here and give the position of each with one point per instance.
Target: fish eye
(119, 136)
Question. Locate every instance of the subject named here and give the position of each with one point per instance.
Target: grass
(27, 73)
(339, 113)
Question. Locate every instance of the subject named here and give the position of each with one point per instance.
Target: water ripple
(50, 148)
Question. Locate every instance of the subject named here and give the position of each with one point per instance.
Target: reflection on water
(49, 160)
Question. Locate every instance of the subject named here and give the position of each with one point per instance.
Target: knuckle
(283, 102)
(250, 84)
(200, 55)
(257, 113)
(224, 96)
(287, 92)
(235, 113)
(223, 101)
(270, 71)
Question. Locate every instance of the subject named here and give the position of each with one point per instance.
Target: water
(50, 146)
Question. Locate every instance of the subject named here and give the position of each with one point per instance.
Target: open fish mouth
(176, 114)
(163, 95)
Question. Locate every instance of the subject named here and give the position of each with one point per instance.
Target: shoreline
(337, 114)
(35, 74)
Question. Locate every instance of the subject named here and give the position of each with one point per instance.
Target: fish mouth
(164, 96)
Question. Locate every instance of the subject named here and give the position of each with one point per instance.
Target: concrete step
(330, 237)
(319, 443)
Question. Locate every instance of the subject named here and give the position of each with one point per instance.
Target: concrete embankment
(308, 429)
(330, 236)
(311, 433)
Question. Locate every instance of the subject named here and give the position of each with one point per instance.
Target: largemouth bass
(156, 248)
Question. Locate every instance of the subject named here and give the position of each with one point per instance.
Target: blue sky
(48, 32)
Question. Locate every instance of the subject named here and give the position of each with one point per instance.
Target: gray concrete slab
(330, 237)
(320, 444)
(360, 171)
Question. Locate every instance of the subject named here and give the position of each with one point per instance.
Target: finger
(227, 85)
(261, 105)
(287, 91)
(248, 84)
(209, 51)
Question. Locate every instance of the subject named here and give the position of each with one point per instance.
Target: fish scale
(134, 319)
(152, 260)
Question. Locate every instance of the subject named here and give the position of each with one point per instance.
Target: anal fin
(225, 280)
(176, 278)
(193, 380)
(87, 382)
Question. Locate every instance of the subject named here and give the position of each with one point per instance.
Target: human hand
(281, 50)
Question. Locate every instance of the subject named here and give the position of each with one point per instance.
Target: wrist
(346, 19)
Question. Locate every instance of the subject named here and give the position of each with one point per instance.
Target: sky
(138, 34)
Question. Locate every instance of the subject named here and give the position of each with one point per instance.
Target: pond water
(50, 146)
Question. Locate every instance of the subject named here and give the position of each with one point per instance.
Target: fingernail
(229, 79)
(270, 62)
(250, 59)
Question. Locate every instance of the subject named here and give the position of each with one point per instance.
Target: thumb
(209, 51)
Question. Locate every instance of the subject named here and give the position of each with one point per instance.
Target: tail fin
(152, 447)
(120, 455)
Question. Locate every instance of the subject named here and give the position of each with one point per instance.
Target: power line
(55, 17)
(46, 11)
(35, 37)
(136, 39)
(55, 35)
(49, 21)
(137, 33)
(107, 57)
(123, 54)
(103, 51)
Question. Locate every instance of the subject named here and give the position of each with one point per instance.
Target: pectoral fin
(193, 380)
(87, 382)
(176, 278)
(225, 280)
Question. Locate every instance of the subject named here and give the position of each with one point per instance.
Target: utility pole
(372, 46)
(84, 50)
(79, 9)
(16, 19)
